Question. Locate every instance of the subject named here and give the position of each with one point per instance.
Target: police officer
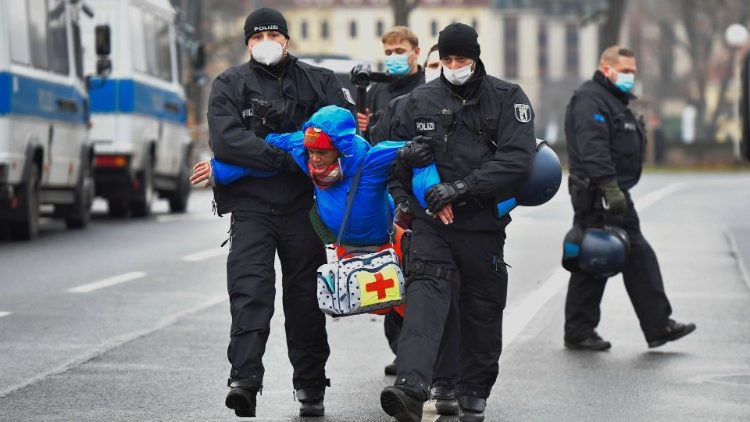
(274, 92)
(606, 145)
(480, 130)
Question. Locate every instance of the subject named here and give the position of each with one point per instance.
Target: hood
(338, 123)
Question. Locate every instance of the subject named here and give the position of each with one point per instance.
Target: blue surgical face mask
(397, 64)
(625, 81)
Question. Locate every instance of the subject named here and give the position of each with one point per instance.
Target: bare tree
(401, 11)
(609, 30)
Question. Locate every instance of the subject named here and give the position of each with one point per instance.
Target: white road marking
(738, 257)
(202, 255)
(2, 314)
(108, 282)
(170, 218)
(652, 197)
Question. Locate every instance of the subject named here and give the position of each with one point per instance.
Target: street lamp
(736, 36)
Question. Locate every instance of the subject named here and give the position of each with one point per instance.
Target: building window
(571, 49)
(379, 28)
(434, 28)
(303, 30)
(510, 32)
(542, 51)
(324, 30)
(353, 29)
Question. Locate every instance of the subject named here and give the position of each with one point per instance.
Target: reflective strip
(129, 96)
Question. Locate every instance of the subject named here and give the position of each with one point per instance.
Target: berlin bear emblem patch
(523, 112)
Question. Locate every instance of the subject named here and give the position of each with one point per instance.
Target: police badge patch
(348, 96)
(523, 112)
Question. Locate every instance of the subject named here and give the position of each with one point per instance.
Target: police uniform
(482, 135)
(380, 94)
(606, 141)
(270, 214)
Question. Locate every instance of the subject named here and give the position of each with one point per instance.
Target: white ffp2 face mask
(267, 52)
(458, 76)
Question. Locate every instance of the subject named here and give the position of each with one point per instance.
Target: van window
(163, 51)
(38, 34)
(19, 36)
(137, 44)
(58, 37)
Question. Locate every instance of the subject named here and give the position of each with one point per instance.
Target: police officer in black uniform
(274, 92)
(480, 130)
(606, 146)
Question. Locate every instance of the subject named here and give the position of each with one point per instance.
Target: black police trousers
(446, 367)
(640, 273)
(255, 239)
(453, 266)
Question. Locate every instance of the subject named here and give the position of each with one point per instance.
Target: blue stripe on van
(129, 96)
(39, 98)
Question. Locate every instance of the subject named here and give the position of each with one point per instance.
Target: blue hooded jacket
(372, 211)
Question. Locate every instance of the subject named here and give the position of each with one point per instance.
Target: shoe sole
(471, 418)
(657, 343)
(240, 407)
(314, 411)
(575, 346)
(446, 407)
(394, 406)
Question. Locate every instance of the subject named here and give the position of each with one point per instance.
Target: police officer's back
(606, 144)
(274, 92)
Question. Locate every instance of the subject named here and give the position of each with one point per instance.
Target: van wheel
(27, 227)
(117, 208)
(179, 200)
(141, 207)
(79, 213)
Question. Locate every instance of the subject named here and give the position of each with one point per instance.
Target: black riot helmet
(600, 251)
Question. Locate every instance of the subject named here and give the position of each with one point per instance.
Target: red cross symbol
(380, 285)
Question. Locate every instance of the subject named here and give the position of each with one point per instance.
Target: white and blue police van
(45, 155)
(141, 143)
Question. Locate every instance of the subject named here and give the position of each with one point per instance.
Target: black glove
(614, 197)
(444, 193)
(403, 216)
(416, 153)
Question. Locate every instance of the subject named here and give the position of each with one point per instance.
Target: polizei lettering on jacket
(425, 126)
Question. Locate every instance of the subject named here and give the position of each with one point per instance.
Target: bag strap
(349, 202)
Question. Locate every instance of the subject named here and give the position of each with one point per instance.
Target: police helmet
(545, 177)
(599, 251)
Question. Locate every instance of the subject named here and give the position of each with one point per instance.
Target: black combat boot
(592, 342)
(445, 399)
(472, 408)
(673, 331)
(390, 369)
(402, 404)
(311, 401)
(241, 397)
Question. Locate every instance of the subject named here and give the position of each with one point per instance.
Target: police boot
(472, 408)
(445, 399)
(593, 342)
(673, 331)
(402, 404)
(241, 398)
(311, 401)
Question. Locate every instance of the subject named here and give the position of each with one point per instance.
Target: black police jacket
(481, 133)
(605, 140)
(248, 102)
(380, 94)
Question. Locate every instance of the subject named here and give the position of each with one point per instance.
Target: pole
(738, 90)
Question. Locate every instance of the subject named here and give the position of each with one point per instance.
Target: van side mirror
(103, 40)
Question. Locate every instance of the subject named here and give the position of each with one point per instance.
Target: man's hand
(614, 197)
(446, 214)
(363, 120)
(201, 173)
(416, 153)
(442, 194)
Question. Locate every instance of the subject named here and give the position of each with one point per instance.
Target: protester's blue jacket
(372, 212)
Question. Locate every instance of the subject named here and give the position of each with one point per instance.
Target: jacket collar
(604, 82)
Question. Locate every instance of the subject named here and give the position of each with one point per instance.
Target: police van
(44, 151)
(141, 144)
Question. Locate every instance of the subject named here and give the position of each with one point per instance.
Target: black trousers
(255, 239)
(446, 266)
(446, 367)
(642, 278)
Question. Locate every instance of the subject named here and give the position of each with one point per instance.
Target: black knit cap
(458, 39)
(265, 19)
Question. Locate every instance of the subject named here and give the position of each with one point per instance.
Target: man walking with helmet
(606, 144)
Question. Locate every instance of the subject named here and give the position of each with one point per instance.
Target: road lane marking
(2, 314)
(202, 255)
(108, 282)
(170, 218)
(114, 343)
(735, 250)
(652, 197)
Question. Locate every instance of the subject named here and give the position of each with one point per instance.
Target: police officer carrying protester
(273, 92)
(401, 48)
(480, 130)
(606, 145)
